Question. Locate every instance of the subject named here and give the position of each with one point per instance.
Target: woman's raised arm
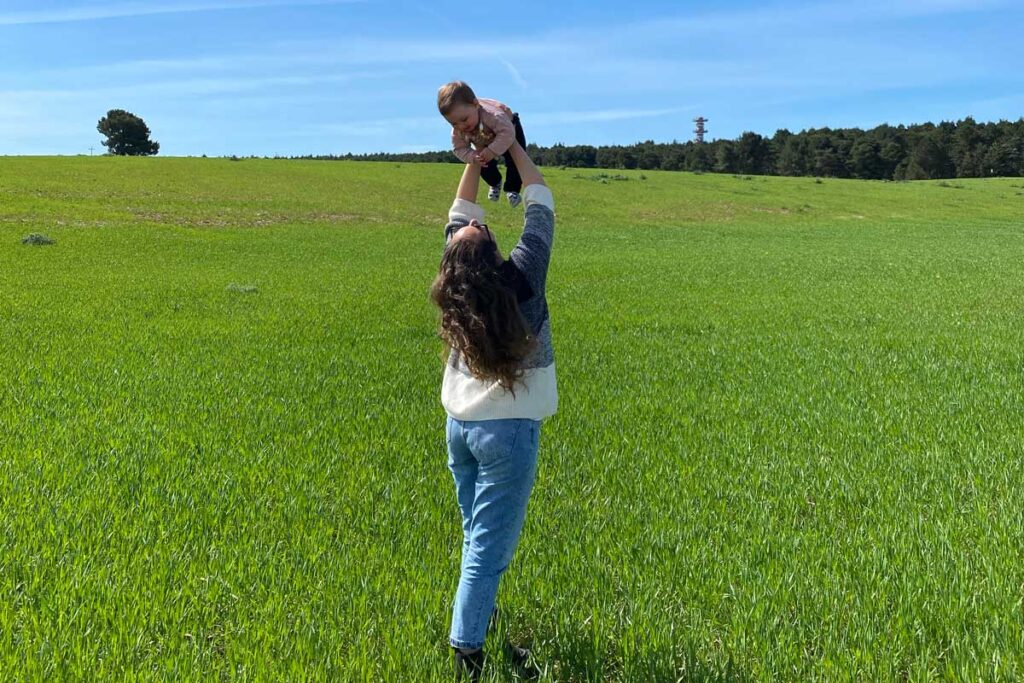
(464, 208)
(527, 171)
(470, 183)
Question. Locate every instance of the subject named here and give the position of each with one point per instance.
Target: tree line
(964, 149)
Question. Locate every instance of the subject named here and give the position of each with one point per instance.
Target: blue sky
(292, 77)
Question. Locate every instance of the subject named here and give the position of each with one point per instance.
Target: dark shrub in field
(36, 238)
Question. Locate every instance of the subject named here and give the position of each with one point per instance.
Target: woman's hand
(484, 156)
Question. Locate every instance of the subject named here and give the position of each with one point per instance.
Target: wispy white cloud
(183, 87)
(914, 8)
(305, 56)
(813, 61)
(357, 50)
(139, 9)
(377, 128)
(564, 117)
(514, 72)
(811, 14)
(143, 67)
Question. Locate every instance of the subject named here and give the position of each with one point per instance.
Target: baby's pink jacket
(495, 131)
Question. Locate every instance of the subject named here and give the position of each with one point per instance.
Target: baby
(490, 127)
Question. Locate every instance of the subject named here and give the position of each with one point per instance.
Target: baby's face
(463, 117)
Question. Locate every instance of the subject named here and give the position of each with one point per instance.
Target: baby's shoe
(494, 194)
(514, 199)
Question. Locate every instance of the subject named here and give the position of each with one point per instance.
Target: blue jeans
(494, 463)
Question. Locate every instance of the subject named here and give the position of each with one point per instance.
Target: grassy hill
(790, 441)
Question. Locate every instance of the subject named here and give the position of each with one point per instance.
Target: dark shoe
(523, 661)
(469, 666)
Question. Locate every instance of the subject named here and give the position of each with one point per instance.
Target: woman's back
(466, 397)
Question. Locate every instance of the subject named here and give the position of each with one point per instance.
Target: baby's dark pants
(490, 172)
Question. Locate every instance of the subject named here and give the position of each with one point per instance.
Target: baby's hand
(484, 156)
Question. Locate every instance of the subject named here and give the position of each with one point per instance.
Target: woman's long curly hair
(480, 315)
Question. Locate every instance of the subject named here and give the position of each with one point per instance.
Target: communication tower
(700, 130)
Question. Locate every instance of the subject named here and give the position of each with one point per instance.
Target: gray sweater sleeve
(533, 252)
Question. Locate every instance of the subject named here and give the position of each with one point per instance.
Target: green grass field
(790, 442)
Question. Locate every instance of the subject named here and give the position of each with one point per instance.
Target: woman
(499, 383)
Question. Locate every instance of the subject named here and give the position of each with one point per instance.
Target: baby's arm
(504, 133)
(461, 148)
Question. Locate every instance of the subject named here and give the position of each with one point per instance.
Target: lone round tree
(127, 134)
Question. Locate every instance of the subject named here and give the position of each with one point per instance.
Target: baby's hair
(451, 94)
